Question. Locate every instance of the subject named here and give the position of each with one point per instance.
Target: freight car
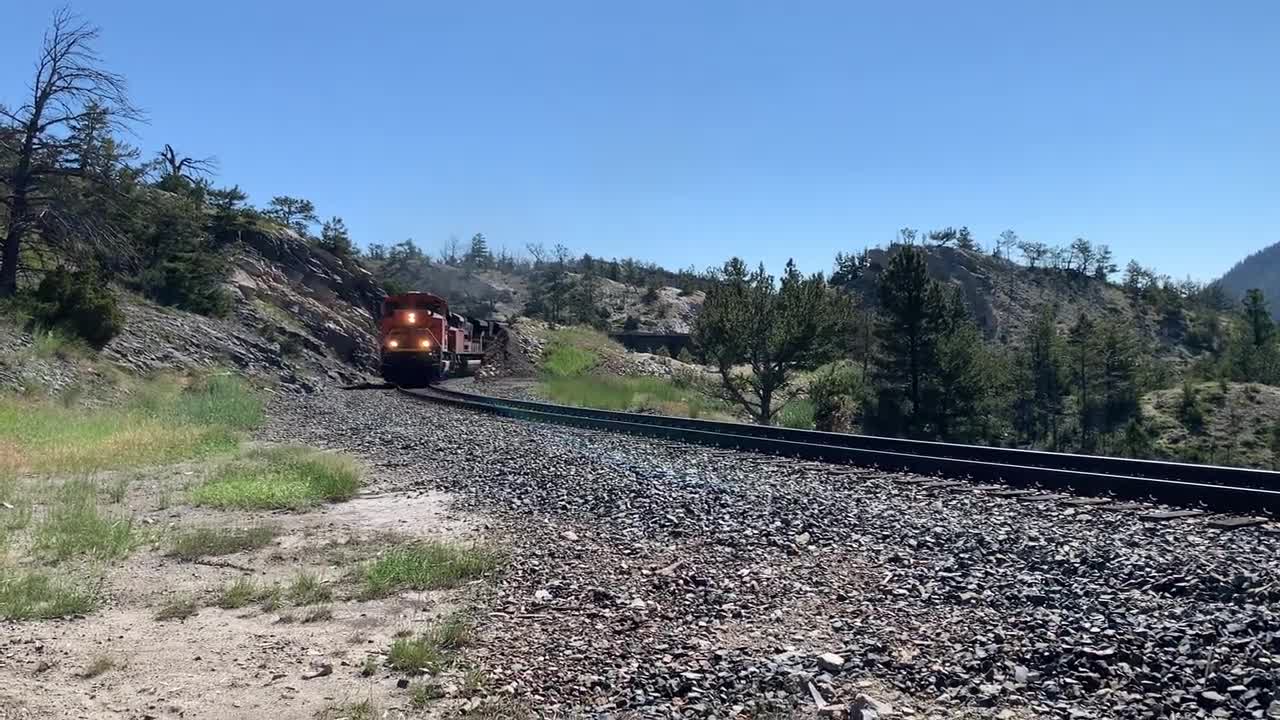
(421, 340)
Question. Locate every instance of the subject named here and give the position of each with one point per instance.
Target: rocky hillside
(1004, 296)
(1260, 270)
(301, 317)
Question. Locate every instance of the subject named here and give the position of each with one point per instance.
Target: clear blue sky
(683, 132)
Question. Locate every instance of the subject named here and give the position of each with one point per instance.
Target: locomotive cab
(414, 338)
(421, 340)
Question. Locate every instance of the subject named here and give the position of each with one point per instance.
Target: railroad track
(1223, 489)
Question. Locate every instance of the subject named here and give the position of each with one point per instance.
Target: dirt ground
(246, 663)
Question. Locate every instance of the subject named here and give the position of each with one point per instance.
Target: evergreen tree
(335, 239)
(906, 333)
(1038, 391)
(775, 328)
(1118, 367)
(297, 213)
(1083, 369)
(959, 382)
(478, 255)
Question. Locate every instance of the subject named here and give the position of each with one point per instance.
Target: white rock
(830, 662)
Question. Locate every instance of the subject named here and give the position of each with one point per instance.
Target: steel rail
(1217, 488)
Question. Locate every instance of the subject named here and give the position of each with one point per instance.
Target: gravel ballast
(655, 579)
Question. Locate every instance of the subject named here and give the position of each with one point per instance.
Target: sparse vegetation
(75, 525)
(631, 394)
(178, 609)
(308, 589)
(98, 666)
(214, 542)
(280, 478)
(26, 595)
(317, 614)
(163, 422)
(363, 710)
(426, 566)
(433, 649)
(242, 592)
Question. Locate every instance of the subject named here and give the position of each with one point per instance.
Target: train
(421, 341)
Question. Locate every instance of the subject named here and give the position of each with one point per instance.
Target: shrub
(1190, 410)
(650, 295)
(80, 303)
(836, 392)
(191, 281)
(631, 324)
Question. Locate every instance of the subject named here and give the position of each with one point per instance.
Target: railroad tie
(1171, 514)
(1231, 522)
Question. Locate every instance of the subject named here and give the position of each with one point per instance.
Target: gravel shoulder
(651, 579)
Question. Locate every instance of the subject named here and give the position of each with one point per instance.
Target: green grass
(30, 595)
(307, 589)
(75, 525)
(630, 394)
(50, 343)
(568, 361)
(421, 694)
(575, 351)
(240, 593)
(280, 478)
(163, 422)
(214, 542)
(797, 414)
(433, 649)
(426, 566)
(177, 609)
(363, 710)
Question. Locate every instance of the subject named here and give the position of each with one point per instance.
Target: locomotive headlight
(393, 343)
(425, 343)
(413, 318)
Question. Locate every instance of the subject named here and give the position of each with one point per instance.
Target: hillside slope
(300, 318)
(1260, 270)
(1005, 296)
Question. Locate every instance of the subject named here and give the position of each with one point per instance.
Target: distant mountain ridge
(1260, 270)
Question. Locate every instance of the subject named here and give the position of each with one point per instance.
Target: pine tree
(1038, 383)
(1083, 369)
(959, 382)
(478, 255)
(906, 332)
(1119, 367)
(776, 329)
(335, 239)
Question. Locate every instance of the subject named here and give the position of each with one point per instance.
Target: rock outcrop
(301, 318)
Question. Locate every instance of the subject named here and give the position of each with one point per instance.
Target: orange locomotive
(422, 341)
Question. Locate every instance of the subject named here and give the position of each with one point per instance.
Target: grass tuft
(214, 542)
(29, 595)
(76, 526)
(281, 478)
(797, 414)
(178, 609)
(363, 710)
(426, 566)
(431, 650)
(307, 589)
(317, 614)
(100, 665)
(240, 593)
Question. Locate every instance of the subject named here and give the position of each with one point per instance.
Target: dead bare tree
(39, 148)
(171, 165)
